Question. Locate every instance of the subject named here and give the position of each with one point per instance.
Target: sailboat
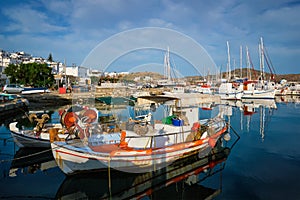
(230, 90)
(259, 89)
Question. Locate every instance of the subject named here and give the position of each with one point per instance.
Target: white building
(79, 72)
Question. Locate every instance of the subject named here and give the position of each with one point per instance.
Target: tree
(50, 58)
(31, 74)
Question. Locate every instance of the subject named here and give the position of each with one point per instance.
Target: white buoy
(227, 137)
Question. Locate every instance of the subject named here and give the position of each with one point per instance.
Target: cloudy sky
(73, 30)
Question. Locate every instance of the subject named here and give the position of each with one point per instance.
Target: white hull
(23, 140)
(259, 94)
(141, 186)
(231, 96)
(75, 157)
(28, 138)
(75, 160)
(35, 90)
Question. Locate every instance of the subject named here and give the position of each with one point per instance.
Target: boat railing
(152, 136)
(164, 139)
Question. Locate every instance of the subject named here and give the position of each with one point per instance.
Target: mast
(228, 64)
(261, 50)
(248, 63)
(241, 61)
(233, 67)
(167, 67)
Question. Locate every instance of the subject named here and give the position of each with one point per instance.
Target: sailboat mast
(228, 64)
(248, 63)
(167, 67)
(261, 48)
(241, 61)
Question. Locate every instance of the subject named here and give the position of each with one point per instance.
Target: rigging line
(174, 70)
(254, 72)
(268, 57)
(235, 132)
(267, 61)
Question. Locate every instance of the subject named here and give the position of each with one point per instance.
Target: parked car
(12, 88)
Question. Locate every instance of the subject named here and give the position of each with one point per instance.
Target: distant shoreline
(46, 100)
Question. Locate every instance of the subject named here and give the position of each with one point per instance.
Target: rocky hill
(142, 75)
(254, 73)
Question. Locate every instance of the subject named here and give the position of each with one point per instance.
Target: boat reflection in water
(262, 107)
(180, 179)
(30, 160)
(250, 109)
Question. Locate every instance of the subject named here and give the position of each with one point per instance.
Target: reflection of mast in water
(262, 104)
(248, 122)
(262, 122)
(249, 110)
(241, 123)
(266, 117)
(227, 111)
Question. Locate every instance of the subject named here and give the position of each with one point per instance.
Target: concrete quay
(54, 98)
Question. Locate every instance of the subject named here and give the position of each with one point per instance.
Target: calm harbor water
(264, 163)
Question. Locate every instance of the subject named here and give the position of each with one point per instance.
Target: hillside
(132, 76)
(254, 73)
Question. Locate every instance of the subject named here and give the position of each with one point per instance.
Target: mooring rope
(30, 155)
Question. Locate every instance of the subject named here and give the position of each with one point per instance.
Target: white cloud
(27, 20)
(159, 23)
(73, 28)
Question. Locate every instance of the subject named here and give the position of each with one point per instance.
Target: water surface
(263, 164)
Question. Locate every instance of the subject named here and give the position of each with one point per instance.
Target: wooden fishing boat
(44, 133)
(184, 178)
(142, 146)
(32, 138)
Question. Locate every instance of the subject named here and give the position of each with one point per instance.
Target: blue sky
(71, 30)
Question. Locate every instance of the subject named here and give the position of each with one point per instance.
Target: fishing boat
(140, 146)
(256, 90)
(202, 89)
(12, 104)
(43, 133)
(32, 138)
(184, 178)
